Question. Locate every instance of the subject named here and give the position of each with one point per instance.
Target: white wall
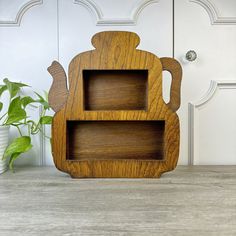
(28, 36)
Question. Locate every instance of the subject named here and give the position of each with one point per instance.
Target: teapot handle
(175, 69)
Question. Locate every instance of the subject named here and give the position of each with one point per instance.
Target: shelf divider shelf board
(112, 122)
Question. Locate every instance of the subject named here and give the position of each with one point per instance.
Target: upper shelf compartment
(115, 89)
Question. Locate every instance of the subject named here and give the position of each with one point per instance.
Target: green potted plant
(15, 114)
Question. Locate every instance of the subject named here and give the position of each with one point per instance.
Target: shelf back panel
(115, 89)
(140, 140)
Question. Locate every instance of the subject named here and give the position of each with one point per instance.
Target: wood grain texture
(58, 92)
(189, 201)
(116, 50)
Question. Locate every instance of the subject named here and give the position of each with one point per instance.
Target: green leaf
(26, 101)
(15, 111)
(42, 101)
(18, 145)
(20, 84)
(1, 105)
(2, 89)
(16, 148)
(45, 120)
(13, 90)
(13, 87)
(6, 81)
(12, 159)
(14, 105)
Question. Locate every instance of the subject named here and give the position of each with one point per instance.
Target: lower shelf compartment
(102, 140)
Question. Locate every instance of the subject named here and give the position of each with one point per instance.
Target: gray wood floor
(188, 201)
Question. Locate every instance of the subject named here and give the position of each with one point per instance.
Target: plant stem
(4, 122)
(18, 129)
(29, 129)
(3, 115)
(41, 130)
(37, 128)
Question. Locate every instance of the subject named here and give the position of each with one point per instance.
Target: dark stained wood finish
(58, 92)
(117, 51)
(104, 140)
(115, 89)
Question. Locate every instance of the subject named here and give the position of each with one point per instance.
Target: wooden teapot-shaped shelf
(113, 121)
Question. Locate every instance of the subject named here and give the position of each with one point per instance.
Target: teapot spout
(58, 92)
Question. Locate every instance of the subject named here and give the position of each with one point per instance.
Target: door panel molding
(194, 125)
(97, 12)
(214, 13)
(15, 19)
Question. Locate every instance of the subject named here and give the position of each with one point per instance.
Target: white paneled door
(208, 126)
(79, 20)
(33, 33)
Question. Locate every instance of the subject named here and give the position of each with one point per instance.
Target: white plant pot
(4, 137)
